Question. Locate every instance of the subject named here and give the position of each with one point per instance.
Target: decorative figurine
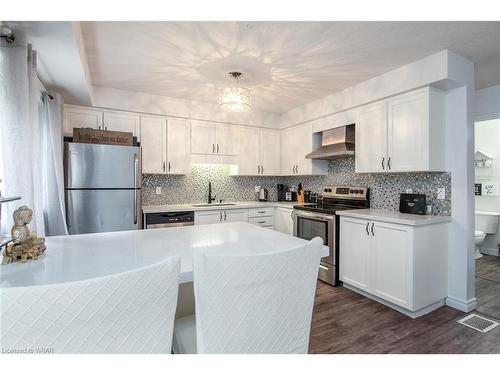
(25, 245)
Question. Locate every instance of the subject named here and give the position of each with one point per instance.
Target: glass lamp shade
(235, 99)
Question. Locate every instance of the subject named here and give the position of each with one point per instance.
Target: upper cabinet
(405, 133)
(259, 152)
(209, 138)
(83, 117)
(165, 145)
(296, 143)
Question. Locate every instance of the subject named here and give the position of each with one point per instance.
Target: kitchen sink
(214, 204)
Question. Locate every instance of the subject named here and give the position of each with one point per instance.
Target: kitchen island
(87, 256)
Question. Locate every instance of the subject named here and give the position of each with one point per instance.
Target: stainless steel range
(320, 220)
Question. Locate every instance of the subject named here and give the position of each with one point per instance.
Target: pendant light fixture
(235, 98)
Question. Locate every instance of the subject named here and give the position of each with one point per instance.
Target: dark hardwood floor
(488, 286)
(346, 322)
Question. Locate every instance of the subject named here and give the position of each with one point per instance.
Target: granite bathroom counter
(395, 217)
(215, 206)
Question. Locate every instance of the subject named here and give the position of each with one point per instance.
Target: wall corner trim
(462, 305)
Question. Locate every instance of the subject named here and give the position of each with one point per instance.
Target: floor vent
(478, 323)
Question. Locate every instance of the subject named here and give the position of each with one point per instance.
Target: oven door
(308, 225)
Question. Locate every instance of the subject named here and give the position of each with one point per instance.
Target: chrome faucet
(210, 198)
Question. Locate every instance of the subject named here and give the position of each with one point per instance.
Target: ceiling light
(235, 98)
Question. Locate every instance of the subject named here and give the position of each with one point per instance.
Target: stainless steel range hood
(335, 142)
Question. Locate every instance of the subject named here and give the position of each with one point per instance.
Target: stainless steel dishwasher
(168, 219)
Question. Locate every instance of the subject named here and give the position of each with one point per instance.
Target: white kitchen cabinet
(405, 133)
(221, 216)
(209, 138)
(259, 152)
(371, 138)
(122, 122)
(153, 144)
(165, 145)
(261, 216)
(402, 266)
(81, 117)
(296, 143)
(283, 221)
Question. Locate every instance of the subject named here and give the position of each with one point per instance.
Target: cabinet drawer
(266, 221)
(263, 211)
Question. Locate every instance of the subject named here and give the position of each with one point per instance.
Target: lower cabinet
(262, 216)
(401, 265)
(220, 216)
(283, 220)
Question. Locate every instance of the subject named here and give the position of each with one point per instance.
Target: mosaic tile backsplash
(384, 188)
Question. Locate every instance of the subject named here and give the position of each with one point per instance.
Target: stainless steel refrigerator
(102, 187)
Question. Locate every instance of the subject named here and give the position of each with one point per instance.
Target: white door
(178, 157)
(270, 154)
(208, 217)
(227, 140)
(303, 144)
(391, 269)
(283, 221)
(202, 137)
(288, 152)
(122, 122)
(79, 117)
(153, 144)
(407, 133)
(371, 139)
(233, 216)
(355, 252)
(248, 163)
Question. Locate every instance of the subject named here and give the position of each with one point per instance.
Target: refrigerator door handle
(136, 167)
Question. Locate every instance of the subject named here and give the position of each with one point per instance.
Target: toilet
(486, 223)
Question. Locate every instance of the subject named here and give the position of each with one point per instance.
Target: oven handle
(309, 215)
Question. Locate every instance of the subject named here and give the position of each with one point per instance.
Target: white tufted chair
(130, 312)
(257, 303)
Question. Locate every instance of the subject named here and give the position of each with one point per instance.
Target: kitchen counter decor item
(105, 137)
(25, 245)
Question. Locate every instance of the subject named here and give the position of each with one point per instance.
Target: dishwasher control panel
(168, 219)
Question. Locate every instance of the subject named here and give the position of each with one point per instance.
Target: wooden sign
(104, 137)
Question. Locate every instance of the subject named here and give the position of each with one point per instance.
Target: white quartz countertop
(395, 217)
(87, 256)
(214, 206)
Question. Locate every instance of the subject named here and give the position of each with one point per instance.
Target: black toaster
(412, 204)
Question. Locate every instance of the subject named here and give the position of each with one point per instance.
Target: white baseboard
(489, 251)
(462, 305)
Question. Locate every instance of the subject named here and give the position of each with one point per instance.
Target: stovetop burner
(338, 198)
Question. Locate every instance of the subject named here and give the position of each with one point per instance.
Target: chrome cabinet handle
(169, 166)
(367, 230)
(261, 212)
(136, 173)
(258, 169)
(261, 222)
(373, 233)
(220, 215)
(389, 163)
(383, 165)
(261, 169)
(225, 216)
(213, 148)
(217, 148)
(164, 168)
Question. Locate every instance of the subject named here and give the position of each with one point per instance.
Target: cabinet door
(208, 217)
(303, 144)
(354, 252)
(371, 139)
(202, 138)
(178, 158)
(283, 220)
(391, 266)
(270, 153)
(122, 122)
(79, 117)
(153, 144)
(227, 140)
(288, 152)
(248, 163)
(407, 133)
(233, 216)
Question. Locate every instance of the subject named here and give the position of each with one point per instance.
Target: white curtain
(52, 160)
(20, 161)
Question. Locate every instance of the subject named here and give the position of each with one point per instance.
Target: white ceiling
(287, 64)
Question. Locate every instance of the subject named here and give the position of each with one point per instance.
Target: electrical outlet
(257, 189)
(158, 190)
(441, 193)
(409, 191)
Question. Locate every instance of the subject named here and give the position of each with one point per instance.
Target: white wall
(487, 105)
(163, 105)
